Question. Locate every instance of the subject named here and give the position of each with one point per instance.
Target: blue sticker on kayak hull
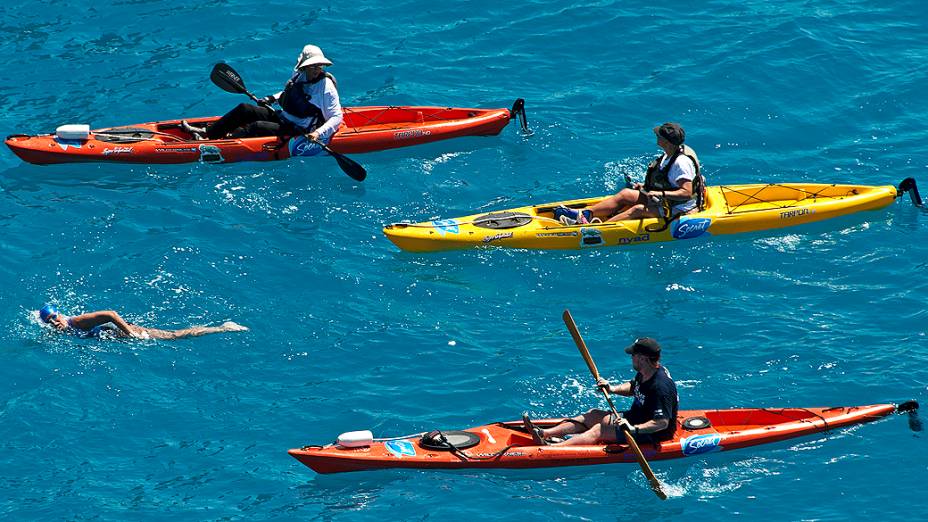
(685, 228)
(699, 444)
(302, 147)
(400, 447)
(64, 144)
(446, 226)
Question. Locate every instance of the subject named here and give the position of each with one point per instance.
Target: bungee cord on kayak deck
(907, 185)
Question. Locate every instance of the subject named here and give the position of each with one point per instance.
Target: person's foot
(197, 133)
(230, 326)
(536, 432)
(569, 216)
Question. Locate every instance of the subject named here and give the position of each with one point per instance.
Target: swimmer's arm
(93, 319)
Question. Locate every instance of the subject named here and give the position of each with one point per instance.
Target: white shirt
(323, 95)
(681, 171)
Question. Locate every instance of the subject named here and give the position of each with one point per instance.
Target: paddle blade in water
(350, 167)
(227, 79)
(911, 408)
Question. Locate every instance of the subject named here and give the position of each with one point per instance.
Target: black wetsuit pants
(248, 121)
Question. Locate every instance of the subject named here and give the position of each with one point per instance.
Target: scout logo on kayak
(699, 444)
(446, 226)
(302, 147)
(400, 447)
(689, 228)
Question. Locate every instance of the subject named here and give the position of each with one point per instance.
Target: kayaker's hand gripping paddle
(227, 79)
(645, 467)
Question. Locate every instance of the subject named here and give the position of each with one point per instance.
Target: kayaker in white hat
(651, 418)
(308, 105)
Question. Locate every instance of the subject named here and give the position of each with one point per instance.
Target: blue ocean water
(347, 332)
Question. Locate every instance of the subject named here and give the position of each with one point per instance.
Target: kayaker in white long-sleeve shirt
(309, 105)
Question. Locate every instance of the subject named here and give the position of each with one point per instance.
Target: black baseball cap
(644, 346)
(671, 132)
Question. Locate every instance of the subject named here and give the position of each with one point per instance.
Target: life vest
(657, 179)
(295, 101)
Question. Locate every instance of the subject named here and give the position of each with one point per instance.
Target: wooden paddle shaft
(632, 443)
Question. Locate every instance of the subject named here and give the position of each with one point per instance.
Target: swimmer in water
(110, 324)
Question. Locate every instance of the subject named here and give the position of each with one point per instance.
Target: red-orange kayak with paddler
(364, 129)
(509, 445)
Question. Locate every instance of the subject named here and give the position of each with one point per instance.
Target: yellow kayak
(729, 209)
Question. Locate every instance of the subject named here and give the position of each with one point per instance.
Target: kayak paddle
(227, 79)
(645, 467)
(348, 165)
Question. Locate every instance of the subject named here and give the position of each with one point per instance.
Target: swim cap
(47, 311)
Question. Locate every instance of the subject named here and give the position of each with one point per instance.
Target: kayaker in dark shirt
(309, 105)
(109, 324)
(652, 416)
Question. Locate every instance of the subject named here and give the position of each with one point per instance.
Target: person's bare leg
(638, 211)
(582, 423)
(194, 331)
(615, 204)
(601, 433)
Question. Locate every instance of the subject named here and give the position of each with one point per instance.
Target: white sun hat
(311, 55)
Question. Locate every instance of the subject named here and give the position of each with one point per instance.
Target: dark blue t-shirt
(655, 399)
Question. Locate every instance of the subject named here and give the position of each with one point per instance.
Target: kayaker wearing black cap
(670, 177)
(652, 416)
(309, 105)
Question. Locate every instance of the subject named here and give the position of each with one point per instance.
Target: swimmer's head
(48, 312)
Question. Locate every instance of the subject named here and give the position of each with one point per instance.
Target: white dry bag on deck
(74, 131)
(355, 439)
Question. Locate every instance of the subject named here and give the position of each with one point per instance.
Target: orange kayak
(364, 129)
(508, 445)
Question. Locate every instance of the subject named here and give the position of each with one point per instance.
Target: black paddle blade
(225, 77)
(350, 167)
(908, 185)
(911, 408)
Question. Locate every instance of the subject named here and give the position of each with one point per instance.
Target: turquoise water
(349, 333)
